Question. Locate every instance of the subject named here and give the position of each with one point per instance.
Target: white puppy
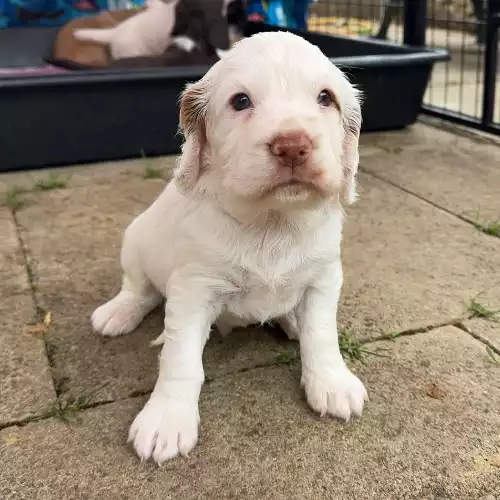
(248, 231)
(145, 34)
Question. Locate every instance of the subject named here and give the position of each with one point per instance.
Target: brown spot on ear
(193, 107)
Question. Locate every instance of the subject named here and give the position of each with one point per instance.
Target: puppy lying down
(248, 231)
(146, 33)
(68, 49)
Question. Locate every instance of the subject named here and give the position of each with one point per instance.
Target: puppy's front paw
(164, 429)
(122, 314)
(335, 392)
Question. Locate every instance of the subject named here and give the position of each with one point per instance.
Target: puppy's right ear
(351, 122)
(192, 123)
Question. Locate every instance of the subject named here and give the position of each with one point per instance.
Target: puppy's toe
(164, 429)
(122, 314)
(338, 393)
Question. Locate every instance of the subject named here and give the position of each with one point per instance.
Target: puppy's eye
(240, 102)
(325, 98)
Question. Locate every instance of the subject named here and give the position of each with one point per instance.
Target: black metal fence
(466, 88)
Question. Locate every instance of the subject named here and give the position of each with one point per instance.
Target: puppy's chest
(263, 293)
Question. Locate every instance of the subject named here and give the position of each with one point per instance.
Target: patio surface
(422, 282)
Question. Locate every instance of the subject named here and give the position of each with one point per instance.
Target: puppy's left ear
(351, 122)
(192, 123)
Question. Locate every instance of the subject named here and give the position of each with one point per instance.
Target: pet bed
(69, 117)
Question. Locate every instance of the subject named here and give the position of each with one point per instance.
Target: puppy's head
(273, 120)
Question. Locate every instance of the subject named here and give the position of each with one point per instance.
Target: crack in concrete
(473, 334)
(414, 331)
(425, 200)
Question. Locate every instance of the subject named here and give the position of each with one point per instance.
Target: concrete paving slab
(406, 264)
(453, 171)
(25, 381)
(430, 432)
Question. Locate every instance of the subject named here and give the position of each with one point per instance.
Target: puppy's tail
(95, 35)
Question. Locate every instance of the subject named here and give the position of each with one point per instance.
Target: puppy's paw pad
(338, 393)
(118, 316)
(164, 429)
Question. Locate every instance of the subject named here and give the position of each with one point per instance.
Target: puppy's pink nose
(291, 148)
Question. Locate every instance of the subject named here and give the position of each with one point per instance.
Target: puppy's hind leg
(124, 313)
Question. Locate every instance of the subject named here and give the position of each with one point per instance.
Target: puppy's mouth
(292, 183)
(293, 188)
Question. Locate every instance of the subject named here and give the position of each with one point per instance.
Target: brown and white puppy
(203, 31)
(68, 50)
(248, 231)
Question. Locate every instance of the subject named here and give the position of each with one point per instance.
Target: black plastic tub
(79, 117)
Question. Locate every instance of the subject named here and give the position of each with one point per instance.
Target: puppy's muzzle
(291, 149)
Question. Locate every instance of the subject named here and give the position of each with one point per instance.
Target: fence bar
(490, 64)
(460, 119)
(415, 22)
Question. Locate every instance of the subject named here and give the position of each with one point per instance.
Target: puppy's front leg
(329, 385)
(168, 424)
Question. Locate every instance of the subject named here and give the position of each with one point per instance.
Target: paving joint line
(474, 335)
(32, 289)
(210, 380)
(415, 331)
(425, 200)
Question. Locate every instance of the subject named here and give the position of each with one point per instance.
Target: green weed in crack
(289, 357)
(350, 347)
(491, 226)
(354, 350)
(53, 181)
(13, 198)
(151, 172)
(478, 309)
(66, 410)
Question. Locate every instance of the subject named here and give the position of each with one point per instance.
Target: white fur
(228, 241)
(184, 43)
(145, 34)
(221, 53)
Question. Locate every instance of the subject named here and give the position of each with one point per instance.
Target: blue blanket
(54, 12)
